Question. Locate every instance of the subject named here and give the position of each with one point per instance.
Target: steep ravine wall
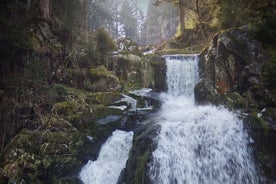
(54, 86)
(231, 75)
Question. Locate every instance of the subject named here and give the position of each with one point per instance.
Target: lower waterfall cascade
(198, 144)
(111, 161)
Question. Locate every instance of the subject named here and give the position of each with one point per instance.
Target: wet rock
(108, 119)
(262, 131)
(233, 63)
(140, 154)
(159, 74)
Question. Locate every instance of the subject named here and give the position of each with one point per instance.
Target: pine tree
(161, 22)
(129, 21)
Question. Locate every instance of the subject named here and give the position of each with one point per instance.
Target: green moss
(57, 92)
(234, 100)
(66, 108)
(101, 111)
(132, 85)
(44, 153)
(87, 122)
(131, 57)
(35, 43)
(188, 50)
(104, 98)
(263, 156)
(23, 139)
(140, 169)
(269, 69)
(258, 122)
(75, 76)
(271, 112)
(99, 72)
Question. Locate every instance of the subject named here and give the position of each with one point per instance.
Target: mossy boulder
(104, 98)
(66, 108)
(99, 72)
(263, 132)
(135, 72)
(234, 100)
(269, 68)
(43, 155)
(75, 76)
(100, 79)
(127, 46)
(97, 126)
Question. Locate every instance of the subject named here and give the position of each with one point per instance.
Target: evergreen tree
(100, 15)
(161, 22)
(182, 10)
(129, 22)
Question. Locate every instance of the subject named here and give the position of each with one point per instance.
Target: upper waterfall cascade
(182, 74)
(198, 144)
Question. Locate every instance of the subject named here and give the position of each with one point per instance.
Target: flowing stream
(111, 161)
(198, 144)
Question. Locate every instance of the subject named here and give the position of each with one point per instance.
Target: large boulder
(100, 79)
(233, 63)
(138, 164)
(138, 72)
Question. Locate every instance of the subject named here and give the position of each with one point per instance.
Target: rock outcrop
(231, 75)
(233, 64)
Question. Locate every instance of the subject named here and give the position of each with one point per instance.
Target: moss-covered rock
(104, 98)
(135, 72)
(140, 154)
(99, 72)
(159, 68)
(232, 66)
(102, 80)
(66, 108)
(43, 155)
(269, 68)
(141, 170)
(263, 132)
(234, 100)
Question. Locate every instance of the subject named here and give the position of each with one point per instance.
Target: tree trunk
(85, 27)
(182, 16)
(199, 20)
(45, 9)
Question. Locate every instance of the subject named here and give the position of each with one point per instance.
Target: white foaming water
(111, 161)
(198, 144)
(182, 74)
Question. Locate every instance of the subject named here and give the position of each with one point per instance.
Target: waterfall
(111, 161)
(181, 74)
(198, 144)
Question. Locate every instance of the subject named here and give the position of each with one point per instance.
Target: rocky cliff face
(231, 75)
(56, 82)
(233, 64)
